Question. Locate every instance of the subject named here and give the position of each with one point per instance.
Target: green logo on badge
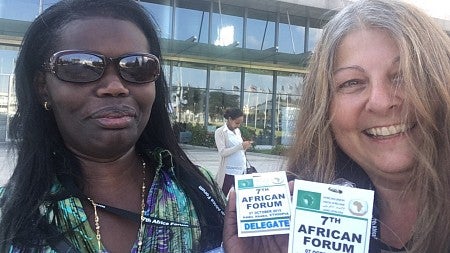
(245, 183)
(310, 200)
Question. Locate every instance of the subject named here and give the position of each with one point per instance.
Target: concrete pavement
(209, 158)
(6, 163)
(203, 156)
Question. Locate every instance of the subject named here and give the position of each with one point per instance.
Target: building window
(258, 103)
(260, 30)
(314, 36)
(188, 92)
(227, 25)
(291, 37)
(8, 57)
(162, 13)
(289, 86)
(225, 85)
(192, 21)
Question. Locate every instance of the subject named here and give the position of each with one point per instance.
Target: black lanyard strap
(148, 220)
(209, 197)
(70, 185)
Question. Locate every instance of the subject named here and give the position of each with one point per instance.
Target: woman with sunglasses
(99, 168)
(376, 112)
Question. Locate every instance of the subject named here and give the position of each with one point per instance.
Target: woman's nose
(384, 96)
(111, 84)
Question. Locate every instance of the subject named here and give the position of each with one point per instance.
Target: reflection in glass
(225, 85)
(7, 94)
(188, 92)
(258, 103)
(192, 20)
(314, 36)
(19, 10)
(162, 13)
(291, 34)
(227, 25)
(260, 30)
(289, 89)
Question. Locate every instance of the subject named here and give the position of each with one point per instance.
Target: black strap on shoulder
(73, 190)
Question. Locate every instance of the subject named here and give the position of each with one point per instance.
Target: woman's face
(101, 119)
(234, 123)
(368, 108)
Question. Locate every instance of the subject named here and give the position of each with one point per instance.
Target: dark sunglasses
(79, 66)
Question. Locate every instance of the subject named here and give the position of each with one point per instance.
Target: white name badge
(262, 203)
(330, 218)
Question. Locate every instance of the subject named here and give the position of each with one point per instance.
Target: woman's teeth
(387, 131)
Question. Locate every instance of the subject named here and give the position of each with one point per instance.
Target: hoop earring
(46, 106)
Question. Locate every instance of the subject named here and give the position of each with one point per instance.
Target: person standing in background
(231, 148)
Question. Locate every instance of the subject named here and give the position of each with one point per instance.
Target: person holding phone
(231, 149)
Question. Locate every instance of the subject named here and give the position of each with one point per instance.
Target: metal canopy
(181, 49)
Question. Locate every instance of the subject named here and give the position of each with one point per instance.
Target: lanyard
(158, 221)
(75, 191)
(148, 220)
(209, 197)
(376, 245)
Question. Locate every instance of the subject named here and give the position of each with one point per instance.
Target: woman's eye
(350, 83)
(350, 86)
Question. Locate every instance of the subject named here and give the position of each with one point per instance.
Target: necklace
(141, 225)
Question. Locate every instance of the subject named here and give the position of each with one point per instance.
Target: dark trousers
(227, 183)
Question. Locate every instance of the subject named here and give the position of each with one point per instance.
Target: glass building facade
(250, 54)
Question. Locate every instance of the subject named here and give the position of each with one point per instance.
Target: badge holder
(262, 203)
(330, 218)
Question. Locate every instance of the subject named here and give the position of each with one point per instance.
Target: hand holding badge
(322, 218)
(263, 204)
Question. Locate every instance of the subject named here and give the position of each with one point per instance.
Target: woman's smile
(388, 131)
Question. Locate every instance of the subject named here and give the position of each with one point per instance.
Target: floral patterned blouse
(165, 201)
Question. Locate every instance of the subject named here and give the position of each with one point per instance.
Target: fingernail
(231, 189)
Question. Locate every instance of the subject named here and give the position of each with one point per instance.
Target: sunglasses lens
(85, 67)
(139, 68)
(79, 67)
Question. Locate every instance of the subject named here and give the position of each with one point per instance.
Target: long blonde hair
(425, 65)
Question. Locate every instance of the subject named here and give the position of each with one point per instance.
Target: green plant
(247, 133)
(200, 136)
(278, 150)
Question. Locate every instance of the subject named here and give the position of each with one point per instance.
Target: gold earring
(46, 106)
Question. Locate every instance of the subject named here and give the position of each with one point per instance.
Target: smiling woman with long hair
(99, 168)
(375, 111)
